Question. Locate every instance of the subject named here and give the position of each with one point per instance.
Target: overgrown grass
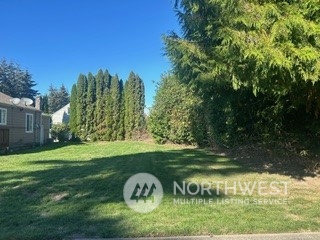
(66, 191)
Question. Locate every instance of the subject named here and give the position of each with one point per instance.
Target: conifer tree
(109, 116)
(174, 113)
(108, 107)
(91, 105)
(134, 106)
(52, 99)
(26, 85)
(121, 131)
(100, 105)
(64, 96)
(82, 89)
(44, 104)
(128, 105)
(270, 48)
(73, 110)
(115, 98)
(57, 98)
(107, 80)
(15, 81)
(139, 104)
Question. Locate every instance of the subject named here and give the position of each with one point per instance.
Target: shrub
(60, 132)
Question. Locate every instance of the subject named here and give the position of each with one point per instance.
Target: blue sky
(56, 40)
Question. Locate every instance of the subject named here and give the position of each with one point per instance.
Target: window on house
(3, 116)
(29, 123)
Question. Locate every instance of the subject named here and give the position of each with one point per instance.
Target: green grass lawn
(66, 191)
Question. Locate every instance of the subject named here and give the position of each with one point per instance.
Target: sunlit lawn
(66, 191)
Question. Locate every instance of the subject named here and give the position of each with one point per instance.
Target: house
(62, 115)
(22, 125)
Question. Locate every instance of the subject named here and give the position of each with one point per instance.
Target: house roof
(5, 99)
(62, 115)
(63, 109)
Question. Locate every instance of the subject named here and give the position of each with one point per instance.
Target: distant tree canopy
(101, 108)
(255, 65)
(15, 81)
(57, 98)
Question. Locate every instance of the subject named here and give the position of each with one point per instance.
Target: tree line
(102, 107)
(16, 82)
(55, 99)
(241, 70)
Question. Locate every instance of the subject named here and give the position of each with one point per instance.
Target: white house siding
(61, 116)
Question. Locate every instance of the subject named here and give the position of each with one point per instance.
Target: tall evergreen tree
(52, 99)
(108, 107)
(82, 88)
(102, 90)
(139, 104)
(121, 130)
(266, 52)
(73, 110)
(174, 112)
(115, 102)
(109, 116)
(98, 107)
(91, 105)
(107, 79)
(44, 104)
(129, 106)
(16, 82)
(64, 96)
(26, 85)
(134, 106)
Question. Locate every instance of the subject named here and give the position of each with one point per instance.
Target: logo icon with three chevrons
(143, 192)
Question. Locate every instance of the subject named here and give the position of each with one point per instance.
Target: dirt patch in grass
(309, 182)
(278, 157)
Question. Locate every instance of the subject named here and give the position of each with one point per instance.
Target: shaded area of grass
(39, 149)
(278, 158)
(76, 190)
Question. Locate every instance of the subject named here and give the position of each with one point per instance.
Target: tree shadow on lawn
(63, 199)
(40, 149)
(262, 159)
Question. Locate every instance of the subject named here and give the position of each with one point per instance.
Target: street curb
(280, 236)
